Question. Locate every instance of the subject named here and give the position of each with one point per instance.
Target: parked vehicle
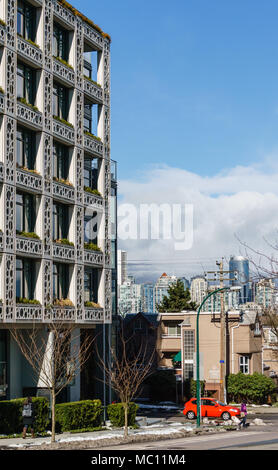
(210, 408)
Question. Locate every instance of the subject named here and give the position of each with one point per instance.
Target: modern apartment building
(55, 175)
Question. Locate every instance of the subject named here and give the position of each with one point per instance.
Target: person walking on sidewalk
(28, 417)
(243, 414)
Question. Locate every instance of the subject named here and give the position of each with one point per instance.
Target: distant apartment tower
(130, 297)
(55, 176)
(122, 266)
(161, 288)
(198, 289)
(265, 293)
(240, 265)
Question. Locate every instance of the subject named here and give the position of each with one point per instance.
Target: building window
(25, 148)
(188, 352)
(90, 228)
(60, 221)
(26, 20)
(60, 44)
(60, 161)
(87, 69)
(60, 101)
(90, 285)
(174, 330)
(60, 281)
(25, 270)
(244, 364)
(25, 212)
(91, 172)
(88, 117)
(26, 83)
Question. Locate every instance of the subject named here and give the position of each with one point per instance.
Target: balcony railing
(58, 313)
(93, 145)
(28, 246)
(63, 191)
(93, 90)
(29, 51)
(29, 180)
(94, 315)
(63, 252)
(91, 199)
(64, 14)
(29, 115)
(27, 312)
(92, 36)
(1, 241)
(63, 131)
(63, 72)
(2, 34)
(92, 257)
(1, 172)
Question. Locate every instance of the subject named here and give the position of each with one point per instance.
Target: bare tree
(55, 356)
(126, 368)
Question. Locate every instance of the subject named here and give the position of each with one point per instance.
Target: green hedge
(11, 415)
(116, 414)
(78, 415)
(255, 388)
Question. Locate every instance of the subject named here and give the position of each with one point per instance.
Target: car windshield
(220, 403)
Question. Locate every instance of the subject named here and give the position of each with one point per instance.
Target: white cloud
(241, 201)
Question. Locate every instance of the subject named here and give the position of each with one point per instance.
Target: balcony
(1, 241)
(92, 90)
(3, 34)
(63, 72)
(58, 313)
(92, 37)
(28, 114)
(28, 246)
(93, 200)
(64, 252)
(28, 312)
(28, 179)
(94, 315)
(93, 145)
(30, 52)
(1, 172)
(2, 101)
(63, 14)
(93, 258)
(63, 131)
(63, 192)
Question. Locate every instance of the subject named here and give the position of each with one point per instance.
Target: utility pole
(219, 275)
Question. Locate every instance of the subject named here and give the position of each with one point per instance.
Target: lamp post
(198, 351)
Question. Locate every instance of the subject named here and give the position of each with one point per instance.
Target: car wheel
(226, 416)
(190, 415)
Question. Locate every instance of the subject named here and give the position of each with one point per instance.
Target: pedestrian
(243, 414)
(28, 417)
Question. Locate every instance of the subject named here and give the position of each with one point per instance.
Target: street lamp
(198, 390)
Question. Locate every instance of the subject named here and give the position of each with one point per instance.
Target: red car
(210, 408)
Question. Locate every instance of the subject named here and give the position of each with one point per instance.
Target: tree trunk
(126, 420)
(53, 416)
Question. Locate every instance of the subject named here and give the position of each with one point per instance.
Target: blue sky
(194, 82)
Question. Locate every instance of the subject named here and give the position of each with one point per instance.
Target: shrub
(11, 415)
(116, 414)
(254, 388)
(78, 415)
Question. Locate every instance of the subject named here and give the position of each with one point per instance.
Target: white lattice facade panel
(34, 193)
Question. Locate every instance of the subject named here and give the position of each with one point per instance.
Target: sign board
(201, 366)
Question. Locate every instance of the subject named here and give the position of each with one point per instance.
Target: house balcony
(29, 115)
(93, 145)
(63, 132)
(63, 72)
(94, 315)
(28, 246)
(63, 192)
(93, 200)
(28, 313)
(31, 53)
(92, 37)
(92, 90)
(29, 180)
(60, 313)
(65, 253)
(63, 14)
(93, 258)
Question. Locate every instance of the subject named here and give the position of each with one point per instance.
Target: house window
(174, 330)
(60, 281)
(26, 17)
(26, 83)
(91, 172)
(60, 101)
(244, 363)
(90, 285)
(24, 279)
(60, 161)
(60, 43)
(188, 352)
(25, 148)
(25, 212)
(60, 221)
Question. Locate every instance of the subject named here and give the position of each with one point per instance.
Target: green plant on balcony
(91, 246)
(24, 101)
(64, 62)
(62, 303)
(27, 234)
(24, 300)
(31, 170)
(92, 191)
(2, 23)
(63, 121)
(2, 90)
(92, 81)
(64, 241)
(92, 304)
(92, 135)
(62, 180)
(29, 40)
